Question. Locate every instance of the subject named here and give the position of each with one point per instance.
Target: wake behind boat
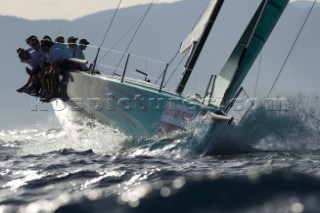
(144, 108)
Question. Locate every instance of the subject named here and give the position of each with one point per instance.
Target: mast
(198, 45)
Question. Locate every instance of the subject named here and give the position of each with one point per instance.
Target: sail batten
(244, 54)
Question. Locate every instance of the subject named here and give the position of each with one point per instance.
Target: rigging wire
(111, 22)
(258, 75)
(135, 33)
(124, 35)
(174, 71)
(293, 45)
(105, 35)
(167, 66)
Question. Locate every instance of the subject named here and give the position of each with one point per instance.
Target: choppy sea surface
(85, 166)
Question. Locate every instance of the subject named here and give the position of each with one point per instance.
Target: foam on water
(74, 131)
(88, 133)
(201, 139)
(296, 128)
(292, 129)
(45, 169)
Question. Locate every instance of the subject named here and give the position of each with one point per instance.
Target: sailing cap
(47, 37)
(59, 39)
(72, 39)
(30, 38)
(84, 41)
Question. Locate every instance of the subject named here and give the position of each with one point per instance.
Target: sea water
(86, 166)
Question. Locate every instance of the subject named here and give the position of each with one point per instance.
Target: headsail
(197, 38)
(243, 56)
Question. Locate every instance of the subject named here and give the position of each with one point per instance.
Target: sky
(67, 10)
(63, 9)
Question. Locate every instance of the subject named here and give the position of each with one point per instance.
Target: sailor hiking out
(47, 61)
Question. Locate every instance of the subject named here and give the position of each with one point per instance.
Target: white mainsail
(199, 28)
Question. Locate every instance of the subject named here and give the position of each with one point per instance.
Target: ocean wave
(263, 129)
(295, 128)
(260, 192)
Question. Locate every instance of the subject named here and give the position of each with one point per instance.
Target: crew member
(59, 62)
(82, 46)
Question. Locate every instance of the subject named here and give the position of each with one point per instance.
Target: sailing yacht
(142, 108)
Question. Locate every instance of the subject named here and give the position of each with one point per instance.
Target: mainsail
(247, 49)
(199, 28)
(197, 38)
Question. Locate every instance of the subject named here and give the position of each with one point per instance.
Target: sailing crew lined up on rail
(48, 60)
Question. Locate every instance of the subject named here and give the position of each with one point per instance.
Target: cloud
(61, 9)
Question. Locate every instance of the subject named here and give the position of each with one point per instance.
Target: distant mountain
(165, 26)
